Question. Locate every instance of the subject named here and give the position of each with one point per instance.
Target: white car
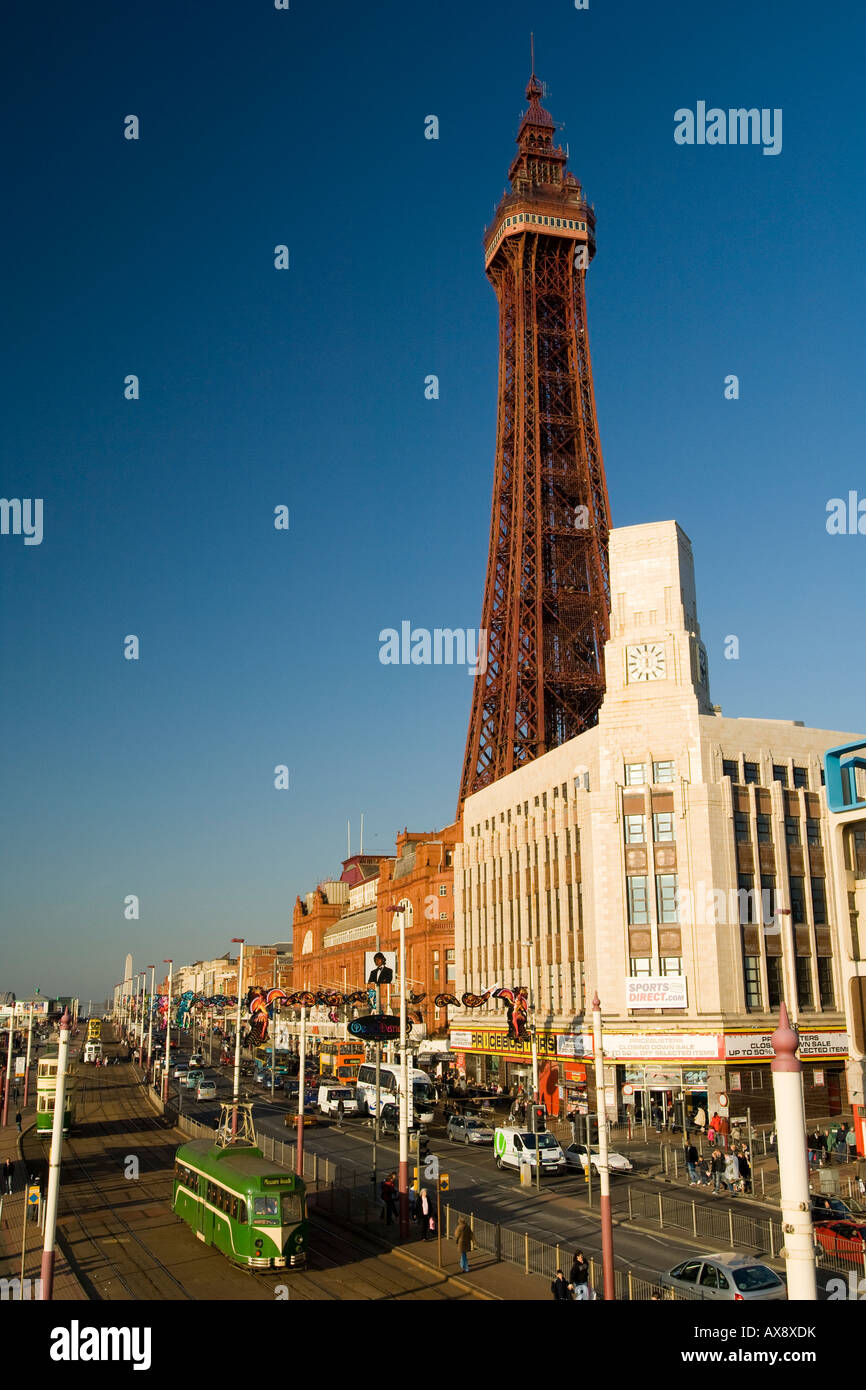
(575, 1154)
(469, 1129)
(206, 1090)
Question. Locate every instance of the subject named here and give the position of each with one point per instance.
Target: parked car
(206, 1090)
(575, 1154)
(468, 1129)
(842, 1237)
(731, 1278)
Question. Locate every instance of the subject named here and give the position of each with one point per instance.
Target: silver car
(470, 1130)
(734, 1278)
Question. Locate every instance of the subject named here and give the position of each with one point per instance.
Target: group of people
(730, 1169)
(576, 1288)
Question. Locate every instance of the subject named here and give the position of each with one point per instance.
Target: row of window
(775, 984)
(751, 773)
(664, 832)
(764, 828)
(635, 773)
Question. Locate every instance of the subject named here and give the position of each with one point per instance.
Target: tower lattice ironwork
(547, 592)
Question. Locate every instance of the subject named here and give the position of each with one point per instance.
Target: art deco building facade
(671, 858)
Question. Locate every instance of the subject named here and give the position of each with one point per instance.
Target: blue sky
(306, 388)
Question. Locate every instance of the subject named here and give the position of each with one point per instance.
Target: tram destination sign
(375, 1027)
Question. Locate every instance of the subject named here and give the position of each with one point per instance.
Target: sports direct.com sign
(656, 992)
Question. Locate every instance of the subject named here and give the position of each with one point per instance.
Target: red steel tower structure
(547, 592)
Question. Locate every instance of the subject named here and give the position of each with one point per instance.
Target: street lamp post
(150, 1024)
(53, 1192)
(799, 1249)
(237, 941)
(403, 1172)
(603, 1162)
(167, 1067)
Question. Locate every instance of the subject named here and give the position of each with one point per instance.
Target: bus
(341, 1060)
(94, 1029)
(242, 1204)
(423, 1094)
(46, 1087)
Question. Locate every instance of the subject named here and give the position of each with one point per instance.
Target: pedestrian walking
(578, 1276)
(18, 1120)
(464, 1241)
(692, 1164)
(8, 1175)
(560, 1288)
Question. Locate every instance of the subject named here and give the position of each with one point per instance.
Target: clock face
(646, 662)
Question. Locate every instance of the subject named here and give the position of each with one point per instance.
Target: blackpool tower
(547, 592)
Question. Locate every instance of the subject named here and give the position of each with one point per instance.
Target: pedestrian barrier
(720, 1225)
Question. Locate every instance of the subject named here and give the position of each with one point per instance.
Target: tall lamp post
(167, 1067)
(603, 1162)
(238, 941)
(53, 1192)
(799, 1250)
(403, 1172)
(150, 1023)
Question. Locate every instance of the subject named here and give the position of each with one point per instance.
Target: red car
(842, 1237)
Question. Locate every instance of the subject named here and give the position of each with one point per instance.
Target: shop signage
(656, 992)
(823, 1043)
(690, 1047)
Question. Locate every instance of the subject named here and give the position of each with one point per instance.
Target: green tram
(234, 1199)
(46, 1086)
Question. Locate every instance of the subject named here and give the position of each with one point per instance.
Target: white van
(330, 1097)
(423, 1095)
(511, 1147)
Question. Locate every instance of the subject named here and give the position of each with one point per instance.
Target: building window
(640, 966)
(663, 827)
(780, 774)
(635, 774)
(638, 905)
(819, 903)
(742, 831)
(663, 772)
(765, 830)
(798, 899)
(774, 981)
(731, 769)
(801, 777)
(666, 897)
(443, 890)
(635, 830)
(804, 981)
(672, 965)
(826, 993)
(792, 830)
(751, 772)
(813, 832)
(752, 977)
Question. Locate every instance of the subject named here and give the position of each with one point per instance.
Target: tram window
(292, 1207)
(265, 1206)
